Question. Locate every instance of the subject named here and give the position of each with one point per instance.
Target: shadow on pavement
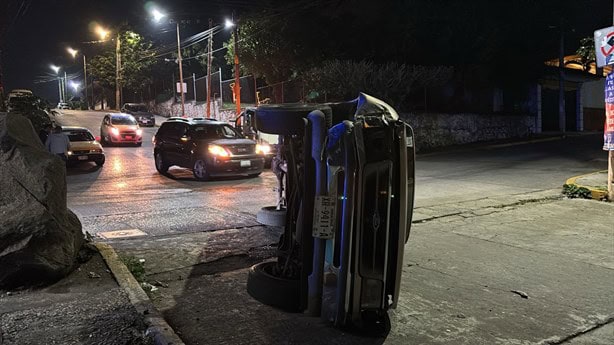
(214, 307)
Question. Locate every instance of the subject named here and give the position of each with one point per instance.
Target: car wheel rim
(199, 168)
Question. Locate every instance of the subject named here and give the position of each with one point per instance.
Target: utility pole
(180, 73)
(237, 81)
(209, 52)
(87, 101)
(64, 89)
(117, 70)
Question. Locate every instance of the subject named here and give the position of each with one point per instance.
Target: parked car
(209, 148)
(140, 113)
(119, 128)
(83, 146)
(63, 105)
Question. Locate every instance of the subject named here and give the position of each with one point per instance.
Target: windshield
(123, 120)
(214, 132)
(80, 136)
(136, 107)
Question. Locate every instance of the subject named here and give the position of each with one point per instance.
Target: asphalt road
(495, 255)
(128, 193)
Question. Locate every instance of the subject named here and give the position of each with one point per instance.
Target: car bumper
(236, 166)
(124, 140)
(87, 157)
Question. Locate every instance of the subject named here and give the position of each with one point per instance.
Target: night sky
(40, 31)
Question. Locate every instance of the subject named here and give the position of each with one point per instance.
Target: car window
(164, 129)
(79, 136)
(123, 120)
(214, 132)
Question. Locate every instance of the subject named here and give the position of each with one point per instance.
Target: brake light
(114, 131)
(219, 151)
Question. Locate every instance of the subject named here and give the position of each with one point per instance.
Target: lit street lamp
(157, 16)
(74, 52)
(56, 69)
(75, 85)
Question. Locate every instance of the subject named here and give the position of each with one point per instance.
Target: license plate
(82, 158)
(129, 137)
(324, 217)
(246, 164)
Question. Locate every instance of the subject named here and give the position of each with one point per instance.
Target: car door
(173, 146)
(104, 126)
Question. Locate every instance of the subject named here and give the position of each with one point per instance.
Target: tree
(137, 61)
(587, 52)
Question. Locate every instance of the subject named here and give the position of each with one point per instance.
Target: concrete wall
(192, 109)
(593, 94)
(432, 130)
(439, 130)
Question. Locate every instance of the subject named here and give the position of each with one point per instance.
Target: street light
(75, 85)
(101, 32)
(157, 16)
(56, 69)
(74, 53)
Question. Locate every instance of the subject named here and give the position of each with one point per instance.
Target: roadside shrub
(574, 191)
(164, 96)
(135, 266)
(34, 108)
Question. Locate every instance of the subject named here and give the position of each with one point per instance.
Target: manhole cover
(121, 234)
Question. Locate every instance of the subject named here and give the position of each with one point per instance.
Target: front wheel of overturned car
(200, 170)
(275, 291)
(161, 165)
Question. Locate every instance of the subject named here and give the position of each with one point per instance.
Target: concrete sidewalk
(595, 182)
(519, 269)
(86, 307)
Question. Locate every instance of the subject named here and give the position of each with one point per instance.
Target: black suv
(210, 148)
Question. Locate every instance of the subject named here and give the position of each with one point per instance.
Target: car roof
(74, 129)
(196, 120)
(119, 115)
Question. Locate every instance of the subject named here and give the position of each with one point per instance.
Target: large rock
(40, 237)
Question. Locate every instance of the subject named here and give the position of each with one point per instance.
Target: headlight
(263, 148)
(139, 132)
(114, 131)
(219, 151)
(69, 153)
(96, 151)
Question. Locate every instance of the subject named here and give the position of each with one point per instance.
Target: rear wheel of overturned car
(275, 291)
(271, 216)
(161, 165)
(200, 170)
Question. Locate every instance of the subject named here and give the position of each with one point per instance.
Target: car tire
(103, 140)
(285, 119)
(275, 291)
(100, 162)
(271, 216)
(161, 165)
(199, 169)
(139, 144)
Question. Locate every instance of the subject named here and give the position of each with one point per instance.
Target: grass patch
(574, 191)
(135, 266)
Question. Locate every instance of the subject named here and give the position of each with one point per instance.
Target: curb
(597, 194)
(157, 328)
(486, 146)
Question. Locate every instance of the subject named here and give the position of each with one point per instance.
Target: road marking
(121, 234)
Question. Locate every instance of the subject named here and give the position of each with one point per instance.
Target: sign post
(604, 53)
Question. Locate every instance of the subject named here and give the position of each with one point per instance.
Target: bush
(34, 108)
(164, 96)
(574, 191)
(392, 82)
